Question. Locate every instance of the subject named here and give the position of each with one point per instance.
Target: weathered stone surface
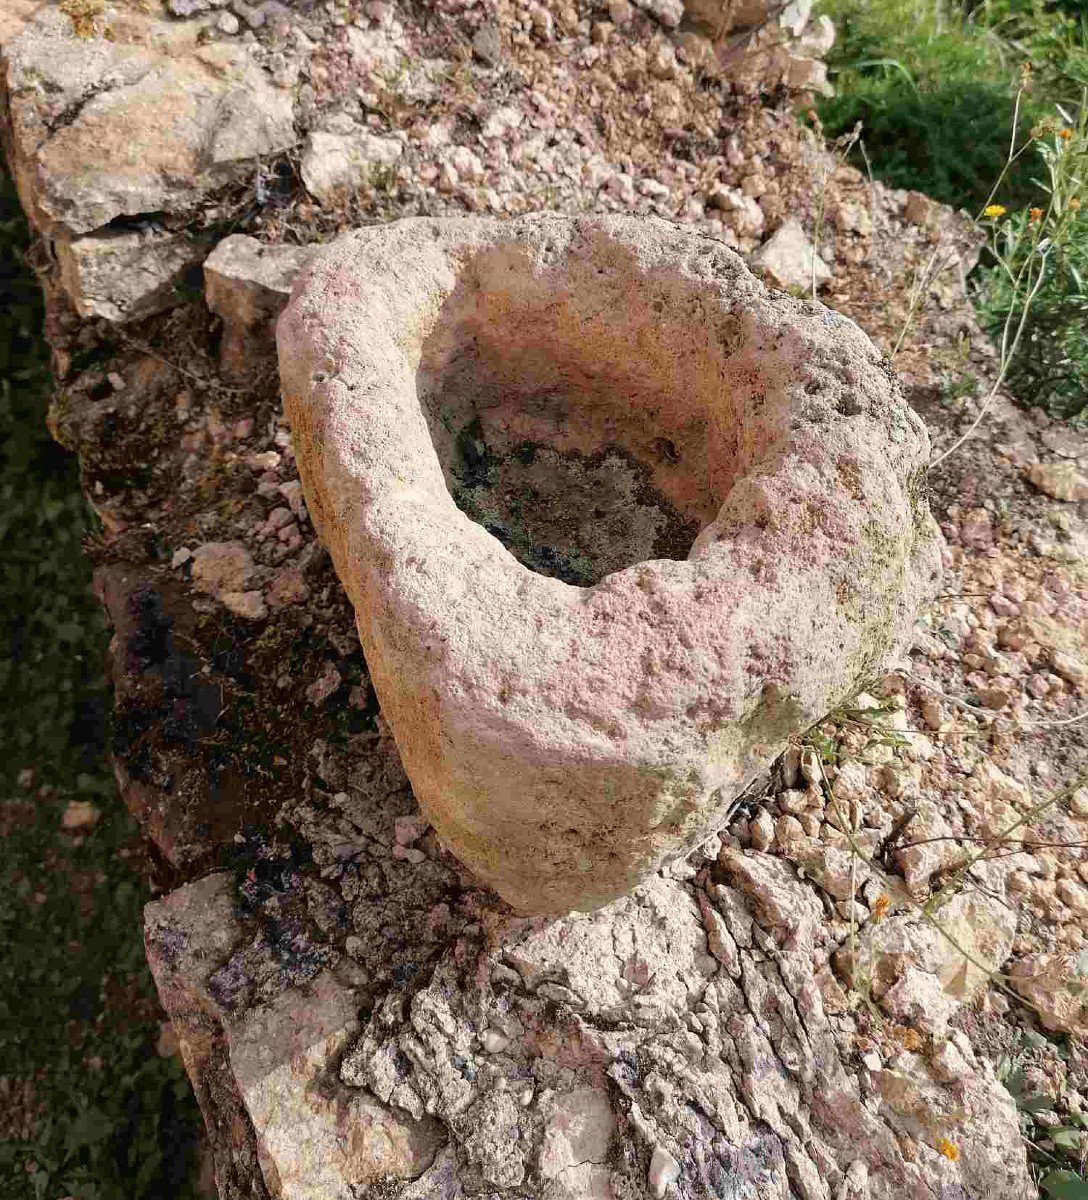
(720, 17)
(741, 494)
(247, 283)
(334, 161)
(668, 12)
(1061, 480)
(122, 275)
(1056, 987)
(139, 117)
(789, 260)
(554, 1059)
(220, 568)
(968, 938)
(314, 1138)
(14, 15)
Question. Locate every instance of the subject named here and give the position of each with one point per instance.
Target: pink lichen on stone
(707, 518)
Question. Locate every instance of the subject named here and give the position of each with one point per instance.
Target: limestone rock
(222, 568)
(577, 1137)
(249, 604)
(668, 12)
(313, 1138)
(138, 118)
(969, 924)
(1078, 802)
(818, 37)
(787, 258)
(123, 275)
(720, 17)
(80, 814)
(794, 17)
(247, 283)
(664, 1171)
(570, 724)
(333, 162)
(1056, 986)
(978, 1125)
(806, 74)
(1062, 481)
(918, 999)
(740, 212)
(14, 15)
(734, 1075)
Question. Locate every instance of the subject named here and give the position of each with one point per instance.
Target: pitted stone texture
(566, 740)
(137, 117)
(313, 1138)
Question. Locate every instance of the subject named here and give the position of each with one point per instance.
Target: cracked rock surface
(565, 1057)
(87, 116)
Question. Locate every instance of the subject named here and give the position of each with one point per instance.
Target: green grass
(1050, 367)
(87, 1107)
(935, 89)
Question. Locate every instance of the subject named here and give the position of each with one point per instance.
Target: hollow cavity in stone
(576, 517)
(569, 426)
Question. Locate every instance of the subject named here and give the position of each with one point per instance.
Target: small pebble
(664, 1169)
(80, 814)
(494, 1041)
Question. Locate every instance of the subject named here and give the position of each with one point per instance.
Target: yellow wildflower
(881, 905)
(949, 1149)
(1065, 133)
(994, 210)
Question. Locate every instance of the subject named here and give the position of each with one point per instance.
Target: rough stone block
(274, 1065)
(615, 520)
(131, 116)
(247, 283)
(123, 275)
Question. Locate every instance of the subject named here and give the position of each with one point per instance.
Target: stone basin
(617, 521)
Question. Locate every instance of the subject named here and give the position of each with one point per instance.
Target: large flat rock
(133, 115)
(554, 1059)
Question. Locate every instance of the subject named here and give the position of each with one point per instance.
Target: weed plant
(935, 84)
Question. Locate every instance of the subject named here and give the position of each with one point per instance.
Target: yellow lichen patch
(84, 14)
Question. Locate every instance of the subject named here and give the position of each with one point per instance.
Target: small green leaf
(1064, 1185)
(90, 1127)
(1015, 1082)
